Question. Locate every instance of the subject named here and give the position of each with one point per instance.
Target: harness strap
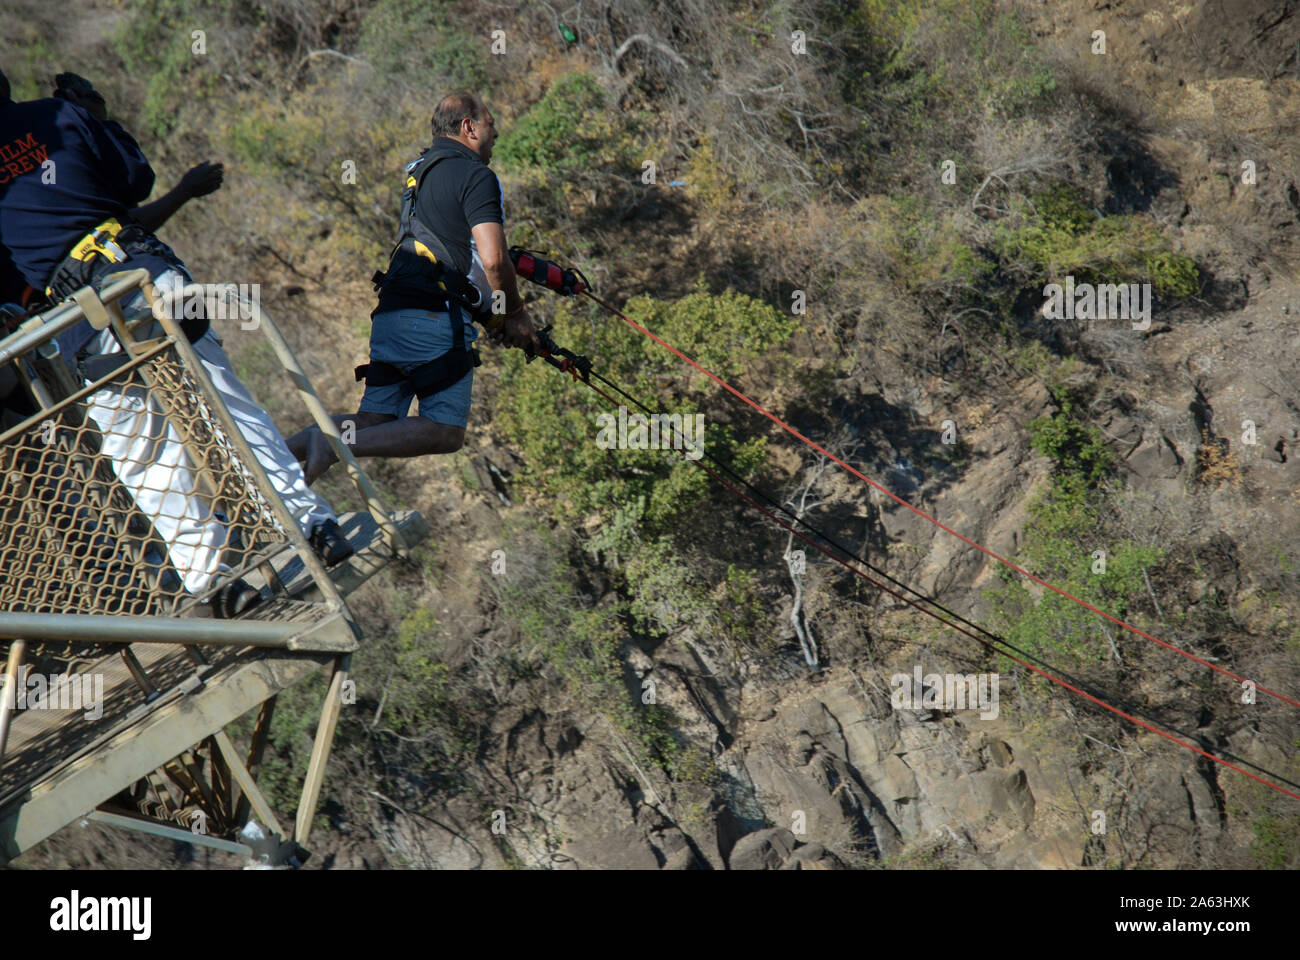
(90, 263)
(420, 263)
(429, 378)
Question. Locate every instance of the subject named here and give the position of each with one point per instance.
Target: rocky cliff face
(819, 770)
(824, 775)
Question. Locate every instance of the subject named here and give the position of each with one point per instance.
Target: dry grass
(1216, 462)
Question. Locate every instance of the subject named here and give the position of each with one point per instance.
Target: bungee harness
(420, 267)
(420, 263)
(112, 246)
(428, 378)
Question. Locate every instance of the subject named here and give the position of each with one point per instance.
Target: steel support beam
(261, 732)
(166, 830)
(261, 806)
(378, 509)
(320, 750)
(9, 683)
(130, 755)
(32, 334)
(122, 629)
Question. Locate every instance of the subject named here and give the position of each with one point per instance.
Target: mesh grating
(128, 499)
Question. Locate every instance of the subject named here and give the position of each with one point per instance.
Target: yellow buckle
(94, 241)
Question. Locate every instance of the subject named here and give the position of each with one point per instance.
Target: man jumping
(452, 230)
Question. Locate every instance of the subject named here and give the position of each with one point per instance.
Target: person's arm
(199, 181)
(482, 204)
(518, 329)
(490, 240)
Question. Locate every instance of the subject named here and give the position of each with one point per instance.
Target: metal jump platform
(130, 728)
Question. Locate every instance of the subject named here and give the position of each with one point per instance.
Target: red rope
(1028, 666)
(921, 513)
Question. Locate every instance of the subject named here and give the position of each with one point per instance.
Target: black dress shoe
(329, 543)
(234, 598)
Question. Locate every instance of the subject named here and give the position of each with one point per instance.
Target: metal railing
(91, 521)
(127, 501)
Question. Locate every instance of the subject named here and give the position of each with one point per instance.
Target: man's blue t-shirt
(62, 173)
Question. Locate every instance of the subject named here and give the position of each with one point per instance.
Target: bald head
(454, 108)
(465, 118)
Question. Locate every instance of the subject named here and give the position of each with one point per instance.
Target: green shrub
(1078, 449)
(931, 71)
(1058, 544)
(724, 333)
(574, 643)
(926, 252)
(564, 131)
(1060, 538)
(1062, 208)
(423, 43)
(155, 41)
(297, 148)
(1062, 237)
(419, 684)
(553, 421)
(667, 593)
(740, 610)
(1173, 274)
(30, 72)
(1276, 841)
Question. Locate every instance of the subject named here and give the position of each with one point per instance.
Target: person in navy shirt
(66, 170)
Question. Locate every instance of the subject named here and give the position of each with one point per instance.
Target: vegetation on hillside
(915, 172)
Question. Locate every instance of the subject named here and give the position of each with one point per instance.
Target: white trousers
(150, 461)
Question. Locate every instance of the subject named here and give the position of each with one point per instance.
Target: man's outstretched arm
(199, 181)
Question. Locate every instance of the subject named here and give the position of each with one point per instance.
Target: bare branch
(649, 41)
(329, 53)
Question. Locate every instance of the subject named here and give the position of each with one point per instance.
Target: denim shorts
(406, 339)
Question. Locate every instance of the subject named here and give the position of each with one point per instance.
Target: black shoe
(329, 543)
(235, 598)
